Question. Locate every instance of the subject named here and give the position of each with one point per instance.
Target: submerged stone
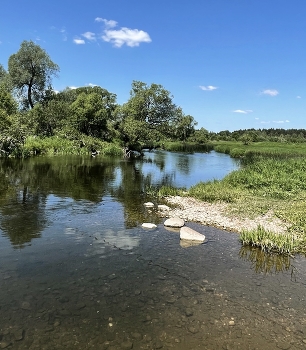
(174, 222)
(189, 234)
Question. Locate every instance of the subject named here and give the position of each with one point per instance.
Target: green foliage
(148, 114)
(189, 147)
(200, 136)
(266, 149)
(7, 103)
(269, 241)
(184, 126)
(92, 110)
(30, 71)
(163, 191)
(215, 191)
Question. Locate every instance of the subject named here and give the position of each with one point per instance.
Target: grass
(59, 145)
(267, 149)
(189, 147)
(270, 242)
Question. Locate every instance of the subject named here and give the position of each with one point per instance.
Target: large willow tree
(31, 71)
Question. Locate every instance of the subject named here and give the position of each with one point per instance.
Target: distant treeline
(260, 135)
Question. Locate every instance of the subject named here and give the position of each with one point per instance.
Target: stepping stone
(174, 222)
(189, 234)
(149, 205)
(148, 225)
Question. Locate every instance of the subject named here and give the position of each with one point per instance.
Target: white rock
(149, 204)
(191, 235)
(148, 225)
(174, 222)
(163, 207)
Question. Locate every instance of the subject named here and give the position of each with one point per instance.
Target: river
(77, 271)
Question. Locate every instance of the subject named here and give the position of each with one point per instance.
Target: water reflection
(35, 192)
(263, 262)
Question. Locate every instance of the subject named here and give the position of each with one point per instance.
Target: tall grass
(58, 145)
(270, 242)
(189, 147)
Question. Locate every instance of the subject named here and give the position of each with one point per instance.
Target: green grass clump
(164, 191)
(215, 191)
(111, 149)
(189, 147)
(269, 241)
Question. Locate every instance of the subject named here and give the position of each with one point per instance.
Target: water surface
(77, 271)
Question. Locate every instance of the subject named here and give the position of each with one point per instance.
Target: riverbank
(217, 215)
(265, 201)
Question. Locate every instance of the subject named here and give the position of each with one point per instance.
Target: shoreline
(214, 214)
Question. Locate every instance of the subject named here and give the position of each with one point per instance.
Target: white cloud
(130, 37)
(92, 85)
(242, 111)
(208, 88)
(256, 118)
(263, 122)
(79, 41)
(89, 36)
(64, 34)
(108, 23)
(281, 121)
(296, 96)
(270, 92)
(73, 87)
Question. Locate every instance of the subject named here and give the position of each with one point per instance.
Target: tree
(201, 136)
(31, 70)
(184, 126)
(92, 110)
(149, 112)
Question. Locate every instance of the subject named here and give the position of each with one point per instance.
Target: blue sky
(231, 64)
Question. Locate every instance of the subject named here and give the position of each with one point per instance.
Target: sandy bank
(214, 214)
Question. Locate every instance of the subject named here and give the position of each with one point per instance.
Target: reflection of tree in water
(183, 163)
(264, 262)
(130, 191)
(156, 158)
(25, 186)
(24, 218)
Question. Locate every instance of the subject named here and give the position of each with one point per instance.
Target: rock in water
(174, 222)
(191, 235)
(149, 205)
(148, 225)
(163, 207)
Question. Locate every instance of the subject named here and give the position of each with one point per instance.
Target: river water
(77, 271)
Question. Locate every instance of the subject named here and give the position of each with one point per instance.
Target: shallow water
(77, 271)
